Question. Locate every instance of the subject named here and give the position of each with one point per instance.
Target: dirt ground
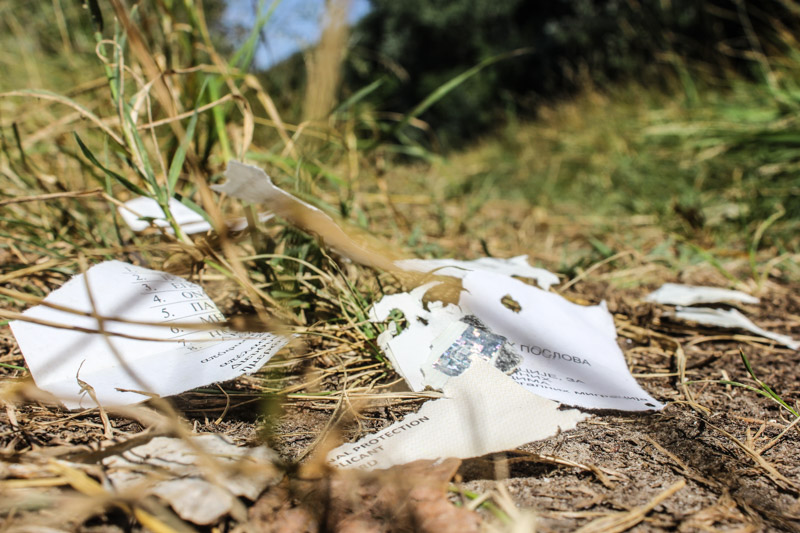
(723, 460)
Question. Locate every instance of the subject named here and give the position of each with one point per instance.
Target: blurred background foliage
(686, 110)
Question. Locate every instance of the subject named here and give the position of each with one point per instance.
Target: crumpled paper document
(201, 479)
(568, 352)
(70, 357)
(676, 294)
(483, 411)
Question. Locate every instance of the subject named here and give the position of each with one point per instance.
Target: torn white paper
(569, 352)
(201, 487)
(676, 294)
(134, 211)
(514, 266)
(730, 318)
(124, 370)
(483, 411)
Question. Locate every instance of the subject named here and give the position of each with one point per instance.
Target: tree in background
(421, 44)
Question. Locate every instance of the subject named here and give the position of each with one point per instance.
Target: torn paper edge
(456, 268)
(677, 294)
(730, 318)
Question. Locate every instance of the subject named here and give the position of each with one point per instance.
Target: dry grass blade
(776, 477)
(46, 95)
(620, 522)
(52, 196)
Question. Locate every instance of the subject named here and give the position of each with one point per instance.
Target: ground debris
(200, 477)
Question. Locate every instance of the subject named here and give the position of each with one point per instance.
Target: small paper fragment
(676, 294)
(200, 480)
(133, 361)
(133, 211)
(483, 411)
(730, 318)
(514, 266)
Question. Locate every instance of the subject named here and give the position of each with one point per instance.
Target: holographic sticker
(452, 351)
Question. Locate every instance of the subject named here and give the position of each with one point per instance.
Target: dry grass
(718, 458)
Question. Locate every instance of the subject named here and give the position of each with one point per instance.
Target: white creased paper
(483, 411)
(676, 294)
(514, 266)
(569, 352)
(730, 318)
(409, 351)
(125, 370)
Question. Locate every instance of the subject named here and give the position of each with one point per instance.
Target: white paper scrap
(730, 318)
(124, 370)
(202, 493)
(569, 351)
(515, 266)
(676, 294)
(483, 411)
(133, 211)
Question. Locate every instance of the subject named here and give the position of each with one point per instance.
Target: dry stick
(620, 522)
(680, 363)
(151, 68)
(599, 472)
(594, 267)
(269, 106)
(33, 268)
(779, 479)
(187, 114)
(60, 99)
(52, 196)
(775, 441)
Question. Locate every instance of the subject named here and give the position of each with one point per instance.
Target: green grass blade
(359, 95)
(442, 91)
(176, 164)
(110, 173)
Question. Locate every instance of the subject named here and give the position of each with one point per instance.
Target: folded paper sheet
(483, 411)
(675, 294)
(132, 361)
(569, 352)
